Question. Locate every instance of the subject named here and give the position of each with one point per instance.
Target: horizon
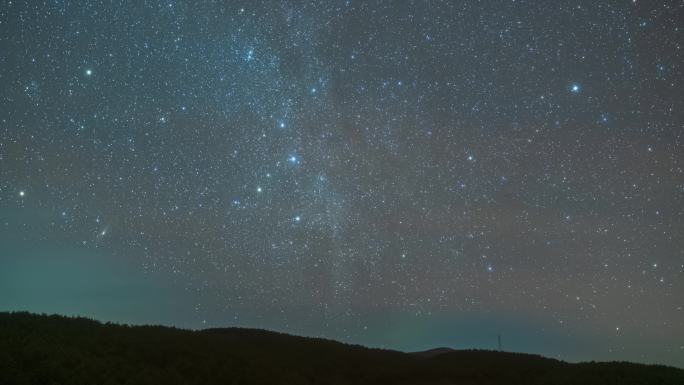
(394, 173)
(319, 337)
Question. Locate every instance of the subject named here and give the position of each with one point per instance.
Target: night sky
(404, 174)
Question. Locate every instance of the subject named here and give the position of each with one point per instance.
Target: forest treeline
(57, 350)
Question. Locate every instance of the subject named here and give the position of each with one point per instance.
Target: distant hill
(433, 352)
(52, 350)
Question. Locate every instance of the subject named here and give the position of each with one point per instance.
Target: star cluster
(359, 169)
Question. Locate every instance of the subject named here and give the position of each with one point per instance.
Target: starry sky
(402, 174)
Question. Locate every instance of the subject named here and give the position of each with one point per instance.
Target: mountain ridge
(55, 349)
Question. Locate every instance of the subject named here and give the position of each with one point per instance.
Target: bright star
(282, 125)
(575, 88)
(259, 189)
(297, 218)
(22, 193)
(89, 72)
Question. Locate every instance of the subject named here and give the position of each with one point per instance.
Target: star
(411, 153)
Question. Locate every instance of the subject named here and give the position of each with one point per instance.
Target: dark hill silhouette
(433, 352)
(40, 349)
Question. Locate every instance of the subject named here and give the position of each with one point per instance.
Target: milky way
(402, 174)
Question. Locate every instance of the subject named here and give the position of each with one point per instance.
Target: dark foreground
(38, 349)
